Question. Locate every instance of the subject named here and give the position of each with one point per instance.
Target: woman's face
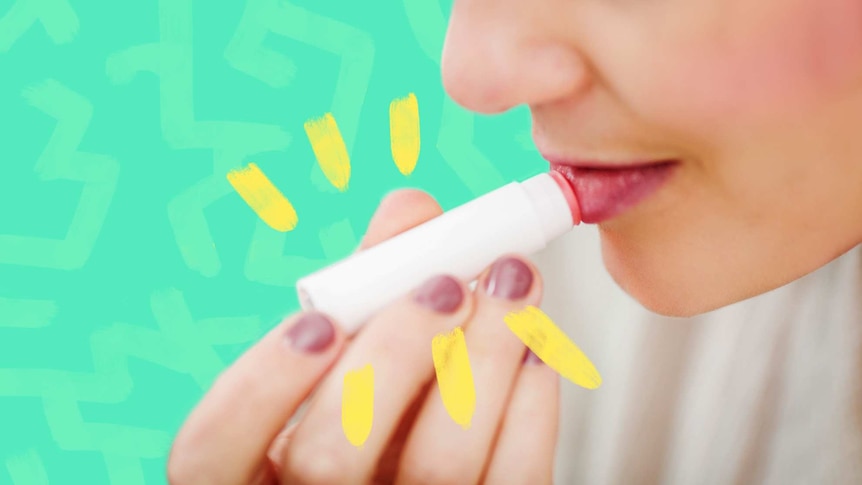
(760, 103)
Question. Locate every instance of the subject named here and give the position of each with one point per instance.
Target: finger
(387, 467)
(226, 436)
(399, 211)
(396, 344)
(276, 449)
(439, 450)
(524, 452)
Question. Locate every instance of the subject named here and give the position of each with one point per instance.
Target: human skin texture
(759, 102)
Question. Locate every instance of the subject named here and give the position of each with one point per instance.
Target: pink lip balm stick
(521, 217)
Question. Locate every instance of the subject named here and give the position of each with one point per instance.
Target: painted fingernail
(313, 333)
(509, 278)
(531, 358)
(442, 294)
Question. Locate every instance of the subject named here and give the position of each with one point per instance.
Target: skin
(760, 101)
(237, 434)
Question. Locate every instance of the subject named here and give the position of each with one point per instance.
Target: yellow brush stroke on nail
(357, 405)
(263, 197)
(329, 150)
(454, 376)
(550, 344)
(404, 132)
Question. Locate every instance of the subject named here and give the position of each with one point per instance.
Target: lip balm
(520, 217)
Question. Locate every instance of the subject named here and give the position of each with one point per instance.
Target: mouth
(606, 191)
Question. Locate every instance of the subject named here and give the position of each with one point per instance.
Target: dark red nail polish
(531, 358)
(313, 332)
(509, 278)
(442, 294)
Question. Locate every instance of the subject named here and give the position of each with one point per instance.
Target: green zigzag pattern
(56, 16)
(61, 160)
(181, 344)
(266, 262)
(230, 142)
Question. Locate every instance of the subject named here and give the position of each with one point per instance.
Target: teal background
(131, 273)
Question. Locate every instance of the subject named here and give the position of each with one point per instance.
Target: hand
(236, 434)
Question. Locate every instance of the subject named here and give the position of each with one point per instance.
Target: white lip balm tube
(521, 217)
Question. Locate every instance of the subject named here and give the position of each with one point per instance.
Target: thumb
(399, 211)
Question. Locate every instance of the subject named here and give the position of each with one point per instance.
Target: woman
(720, 300)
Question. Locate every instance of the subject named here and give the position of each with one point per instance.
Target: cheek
(803, 54)
(739, 99)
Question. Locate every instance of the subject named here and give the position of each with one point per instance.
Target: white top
(765, 391)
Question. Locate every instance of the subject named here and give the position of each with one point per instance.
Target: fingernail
(313, 333)
(442, 294)
(509, 278)
(531, 358)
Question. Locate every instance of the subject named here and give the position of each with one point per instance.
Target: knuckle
(313, 465)
(408, 196)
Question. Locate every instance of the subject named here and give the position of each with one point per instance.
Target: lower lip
(606, 193)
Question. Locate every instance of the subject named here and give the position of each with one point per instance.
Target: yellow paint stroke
(404, 132)
(263, 197)
(550, 344)
(329, 150)
(454, 376)
(357, 405)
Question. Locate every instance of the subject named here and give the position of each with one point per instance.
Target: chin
(661, 290)
(667, 305)
(664, 302)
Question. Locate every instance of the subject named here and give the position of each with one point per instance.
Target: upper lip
(605, 162)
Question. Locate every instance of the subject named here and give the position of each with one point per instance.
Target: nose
(497, 56)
